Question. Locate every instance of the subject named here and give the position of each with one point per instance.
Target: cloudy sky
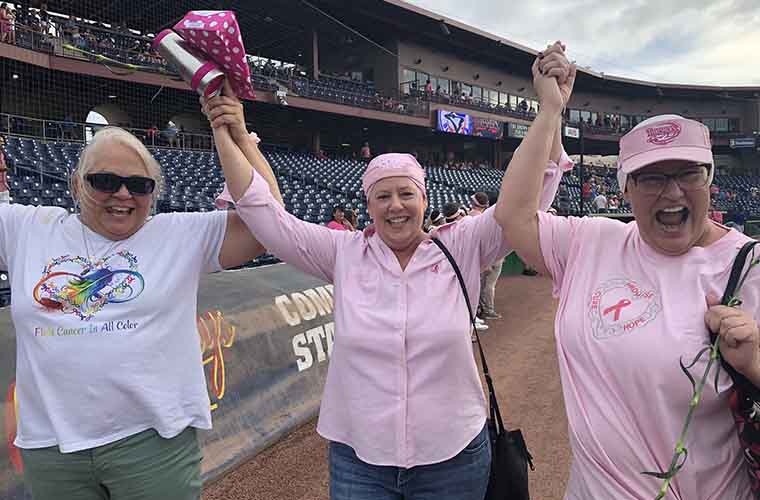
(711, 42)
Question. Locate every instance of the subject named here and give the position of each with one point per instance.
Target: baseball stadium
(328, 87)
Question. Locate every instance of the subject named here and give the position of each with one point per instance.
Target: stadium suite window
(466, 89)
(575, 116)
(407, 77)
(477, 93)
(422, 79)
(442, 85)
(494, 98)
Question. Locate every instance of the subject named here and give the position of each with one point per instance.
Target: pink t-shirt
(337, 226)
(626, 315)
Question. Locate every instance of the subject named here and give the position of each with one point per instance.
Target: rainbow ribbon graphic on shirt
(86, 292)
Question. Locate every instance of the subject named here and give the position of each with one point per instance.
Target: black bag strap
(494, 404)
(740, 381)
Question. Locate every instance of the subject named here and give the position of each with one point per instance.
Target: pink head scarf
(394, 165)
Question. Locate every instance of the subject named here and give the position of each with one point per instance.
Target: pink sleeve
(488, 233)
(555, 236)
(552, 178)
(308, 247)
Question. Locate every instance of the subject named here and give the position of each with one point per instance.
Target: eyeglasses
(111, 183)
(690, 179)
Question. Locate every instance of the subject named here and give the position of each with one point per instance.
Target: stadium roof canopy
(281, 29)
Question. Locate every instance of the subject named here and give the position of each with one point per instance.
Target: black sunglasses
(110, 183)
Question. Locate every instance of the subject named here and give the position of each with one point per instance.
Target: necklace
(91, 260)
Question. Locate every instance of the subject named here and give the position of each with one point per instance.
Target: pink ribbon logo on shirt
(617, 308)
(620, 306)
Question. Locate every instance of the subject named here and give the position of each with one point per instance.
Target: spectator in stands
(436, 219)
(5, 23)
(613, 204)
(586, 190)
(402, 388)
(339, 221)
(3, 165)
(350, 215)
(170, 133)
(600, 202)
(490, 275)
(715, 215)
(635, 301)
(94, 270)
(68, 28)
(365, 152)
(152, 134)
(453, 212)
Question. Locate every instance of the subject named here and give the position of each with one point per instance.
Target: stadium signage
(452, 122)
(488, 128)
(517, 130)
(573, 132)
(742, 142)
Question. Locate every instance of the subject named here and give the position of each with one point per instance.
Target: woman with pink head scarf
(403, 407)
(634, 300)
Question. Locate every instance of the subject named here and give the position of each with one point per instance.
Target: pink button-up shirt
(402, 387)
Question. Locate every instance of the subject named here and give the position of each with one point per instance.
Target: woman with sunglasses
(634, 301)
(109, 380)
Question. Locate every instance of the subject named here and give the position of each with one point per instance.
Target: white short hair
(115, 135)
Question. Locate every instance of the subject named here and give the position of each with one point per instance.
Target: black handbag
(509, 454)
(744, 398)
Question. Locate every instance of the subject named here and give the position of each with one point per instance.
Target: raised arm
(227, 110)
(259, 215)
(516, 210)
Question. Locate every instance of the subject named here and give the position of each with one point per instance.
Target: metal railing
(70, 131)
(88, 48)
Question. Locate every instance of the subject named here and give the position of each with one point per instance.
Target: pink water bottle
(203, 75)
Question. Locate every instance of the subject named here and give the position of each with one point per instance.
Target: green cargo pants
(140, 467)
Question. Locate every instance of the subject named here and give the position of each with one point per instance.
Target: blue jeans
(464, 477)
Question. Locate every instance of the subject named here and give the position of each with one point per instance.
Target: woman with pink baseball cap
(403, 407)
(634, 300)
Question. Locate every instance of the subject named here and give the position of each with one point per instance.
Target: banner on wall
(452, 122)
(265, 354)
(517, 130)
(573, 132)
(487, 127)
(742, 142)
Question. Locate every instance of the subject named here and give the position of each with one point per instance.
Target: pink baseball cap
(393, 165)
(662, 138)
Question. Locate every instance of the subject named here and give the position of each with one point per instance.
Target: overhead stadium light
(444, 29)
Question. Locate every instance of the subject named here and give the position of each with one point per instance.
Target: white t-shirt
(600, 201)
(107, 346)
(626, 315)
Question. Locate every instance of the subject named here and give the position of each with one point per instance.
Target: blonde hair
(103, 137)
